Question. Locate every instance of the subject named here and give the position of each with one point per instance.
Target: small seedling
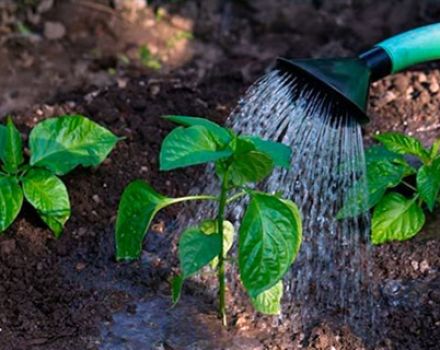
(270, 232)
(56, 147)
(148, 59)
(396, 217)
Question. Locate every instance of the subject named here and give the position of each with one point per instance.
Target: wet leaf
(11, 200)
(280, 153)
(269, 302)
(268, 242)
(190, 146)
(382, 174)
(138, 206)
(12, 154)
(247, 164)
(221, 135)
(61, 144)
(396, 218)
(428, 182)
(403, 144)
(49, 196)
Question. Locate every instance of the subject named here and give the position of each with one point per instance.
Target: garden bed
(64, 294)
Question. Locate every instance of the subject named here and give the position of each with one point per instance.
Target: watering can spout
(345, 79)
(348, 79)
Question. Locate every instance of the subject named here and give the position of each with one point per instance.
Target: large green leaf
(221, 135)
(138, 205)
(403, 144)
(396, 218)
(247, 164)
(190, 146)
(11, 200)
(63, 143)
(269, 302)
(49, 196)
(12, 154)
(279, 152)
(268, 242)
(428, 182)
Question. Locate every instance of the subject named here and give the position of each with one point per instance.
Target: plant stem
(409, 186)
(221, 258)
(235, 196)
(193, 198)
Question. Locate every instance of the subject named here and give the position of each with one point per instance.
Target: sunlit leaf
(190, 146)
(403, 144)
(49, 196)
(269, 302)
(396, 218)
(11, 200)
(12, 153)
(63, 143)
(428, 182)
(221, 135)
(268, 242)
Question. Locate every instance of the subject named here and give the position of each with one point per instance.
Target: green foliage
(396, 217)
(56, 147)
(269, 236)
(148, 59)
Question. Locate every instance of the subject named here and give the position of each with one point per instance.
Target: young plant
(396, 217)
(56, 147)
(270, 232)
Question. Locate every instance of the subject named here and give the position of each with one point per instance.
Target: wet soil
(70, 293)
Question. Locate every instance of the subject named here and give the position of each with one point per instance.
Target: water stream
(330, 278)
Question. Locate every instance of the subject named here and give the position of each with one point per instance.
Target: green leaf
(428, 182)
(138, 205)
(382, 174)
(198, 246)
(209, 227)
(403, 144)
(11, 200)
(435, 148)
(2, 141)
(269, 302)
(190, 146)
(49, 196)
(197, 249)
(268, 242)
(247, 164)
(63, 143)
(176, 288)
(221, 135)
(396, 218)
(12, 154)
(280, 153)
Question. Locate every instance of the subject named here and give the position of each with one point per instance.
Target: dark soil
(62, 294)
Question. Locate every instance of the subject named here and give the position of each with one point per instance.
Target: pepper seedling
(270, 233)
(56, 146)
(395, 216)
